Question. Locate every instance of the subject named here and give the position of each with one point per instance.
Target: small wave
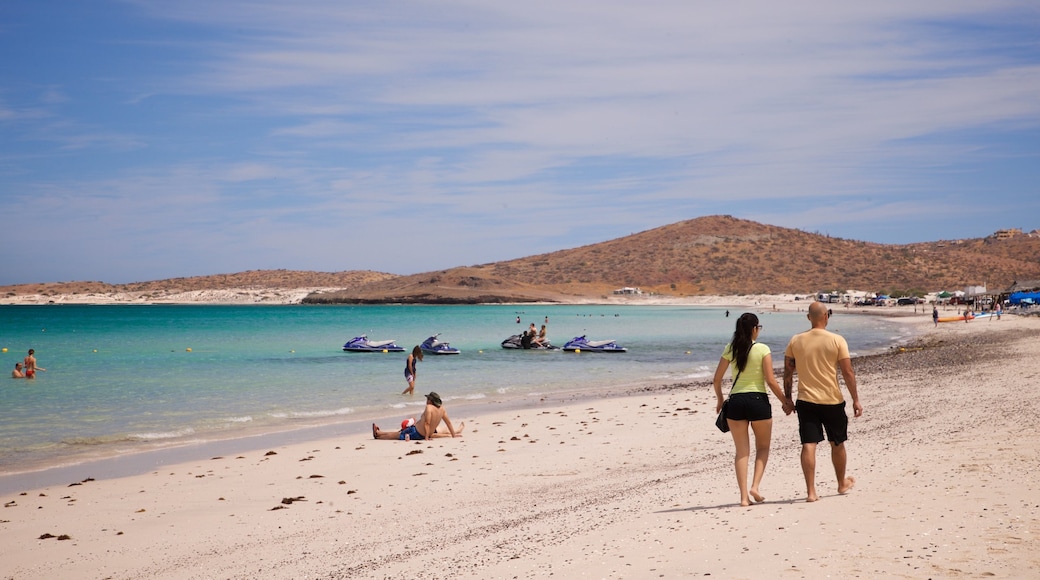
(312, 414)
(245, 419)
(503, 390)
(474, 397)
(160, 435)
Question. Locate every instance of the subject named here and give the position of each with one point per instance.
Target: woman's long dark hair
(741, 343)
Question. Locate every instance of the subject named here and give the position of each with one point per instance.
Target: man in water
(17, 372)
(815, 355)
(427, 425)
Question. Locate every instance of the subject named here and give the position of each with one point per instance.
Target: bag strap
(737, 378)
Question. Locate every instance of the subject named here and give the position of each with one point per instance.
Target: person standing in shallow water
(749, 402)
(30, 365)
(409, 369)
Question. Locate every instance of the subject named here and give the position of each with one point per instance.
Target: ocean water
(133, 377)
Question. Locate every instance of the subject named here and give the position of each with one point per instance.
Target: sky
(143, 140)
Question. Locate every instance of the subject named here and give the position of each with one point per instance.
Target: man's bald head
(818, 314)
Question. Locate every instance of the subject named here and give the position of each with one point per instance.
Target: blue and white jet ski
(581, 344)
(362, 344)
(433, 346)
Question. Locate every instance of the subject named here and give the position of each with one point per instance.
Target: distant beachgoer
(727, 314)
(518, 320)
(409, 369)
(815, 355)
(17, 372)
(1000, 310)
(427, 427)
(30, 365)
(749, 401)
(935, 316)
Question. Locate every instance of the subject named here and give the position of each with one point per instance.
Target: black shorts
(813, 418)
(749, 407)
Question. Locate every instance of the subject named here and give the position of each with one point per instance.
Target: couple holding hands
(815, 356)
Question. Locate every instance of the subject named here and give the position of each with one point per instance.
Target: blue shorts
(814, 418)
(749, 407)
(412, 434)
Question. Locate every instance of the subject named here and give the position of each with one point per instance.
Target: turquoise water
(123, 376)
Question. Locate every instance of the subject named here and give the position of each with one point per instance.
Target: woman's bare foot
(757, 496)
(811, 497)
(745, 503)
(375, 431)
(850, 482)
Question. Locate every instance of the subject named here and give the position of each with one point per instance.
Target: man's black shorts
(814, 418)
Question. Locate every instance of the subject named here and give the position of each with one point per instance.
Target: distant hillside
(274, 279)
(714, 255)
(717, 255)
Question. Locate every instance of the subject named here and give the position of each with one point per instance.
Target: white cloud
(510, 129)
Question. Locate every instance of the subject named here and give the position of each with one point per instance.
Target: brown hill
(718, 255)
(274, 279)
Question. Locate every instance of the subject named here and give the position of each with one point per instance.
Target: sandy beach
(624, 485)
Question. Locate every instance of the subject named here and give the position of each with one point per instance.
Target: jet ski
(433, 346)
(525, 342)
(581, 344)
(362, 344)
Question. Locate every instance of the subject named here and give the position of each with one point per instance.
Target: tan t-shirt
(816, 354)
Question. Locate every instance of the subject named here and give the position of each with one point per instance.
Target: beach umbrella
(944, 294)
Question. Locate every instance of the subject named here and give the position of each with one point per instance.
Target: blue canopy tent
(1024, 297)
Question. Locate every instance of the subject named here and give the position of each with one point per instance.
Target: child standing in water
(409, 369)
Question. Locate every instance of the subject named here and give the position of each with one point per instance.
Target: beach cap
(407, 423)
(434, 398)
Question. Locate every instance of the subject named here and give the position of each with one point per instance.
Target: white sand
(639, 486)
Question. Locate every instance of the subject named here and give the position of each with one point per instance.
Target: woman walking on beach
(748, 401)
(409, 369)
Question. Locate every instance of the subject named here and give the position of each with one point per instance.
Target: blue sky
(142, 140)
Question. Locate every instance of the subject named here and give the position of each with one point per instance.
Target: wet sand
(633, 485)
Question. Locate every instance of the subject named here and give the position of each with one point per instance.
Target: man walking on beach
(816, 355)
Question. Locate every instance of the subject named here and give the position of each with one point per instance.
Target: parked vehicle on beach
(433, 346)
(362, 344)
(581, 344)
